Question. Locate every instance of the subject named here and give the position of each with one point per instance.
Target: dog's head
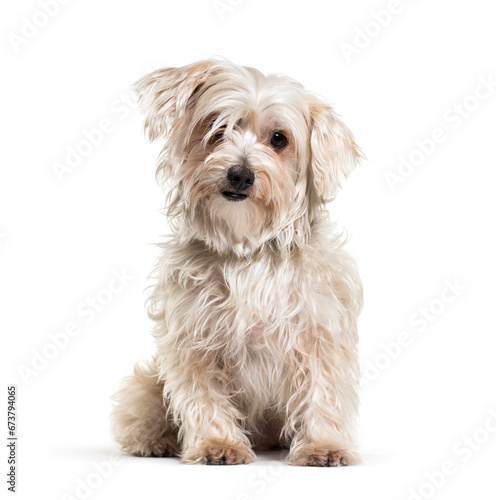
(249, 159)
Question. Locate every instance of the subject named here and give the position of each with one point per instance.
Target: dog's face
(250, 158)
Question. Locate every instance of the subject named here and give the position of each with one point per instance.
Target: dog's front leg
(322, 408)
(210, 424)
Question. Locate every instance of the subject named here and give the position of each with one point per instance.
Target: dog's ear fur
(165, 95)
(333, 150)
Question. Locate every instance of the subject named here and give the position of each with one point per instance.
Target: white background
(62, 239)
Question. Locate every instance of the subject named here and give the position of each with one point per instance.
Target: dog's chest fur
(270, 299)
(274, 305)
(244, 306)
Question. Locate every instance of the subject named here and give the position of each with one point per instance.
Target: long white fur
(255, 302)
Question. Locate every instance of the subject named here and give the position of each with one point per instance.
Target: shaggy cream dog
(255, 301)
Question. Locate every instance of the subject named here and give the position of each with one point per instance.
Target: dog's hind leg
(140, 421)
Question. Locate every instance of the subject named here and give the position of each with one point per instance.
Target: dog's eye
(219, 134)
(278, 141)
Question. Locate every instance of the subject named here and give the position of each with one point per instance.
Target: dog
(255, 301)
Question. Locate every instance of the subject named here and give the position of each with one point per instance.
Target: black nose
(240, 178)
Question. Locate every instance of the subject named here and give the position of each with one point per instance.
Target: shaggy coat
(255, 300)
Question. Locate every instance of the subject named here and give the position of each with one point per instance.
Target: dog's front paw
(217, 453)
(322, 457)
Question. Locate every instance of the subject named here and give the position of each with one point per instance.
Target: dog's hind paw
(164, 447)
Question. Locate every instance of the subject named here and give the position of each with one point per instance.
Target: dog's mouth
(229, 195)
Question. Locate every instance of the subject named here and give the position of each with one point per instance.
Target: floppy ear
(334, 152)
(165, 95)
